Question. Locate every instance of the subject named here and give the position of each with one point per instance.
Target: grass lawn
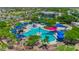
(65, 48)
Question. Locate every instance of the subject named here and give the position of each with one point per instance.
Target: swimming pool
(44, 34)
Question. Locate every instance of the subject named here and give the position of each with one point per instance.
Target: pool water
(44, 34)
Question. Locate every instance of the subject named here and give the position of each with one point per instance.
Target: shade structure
(51, 28)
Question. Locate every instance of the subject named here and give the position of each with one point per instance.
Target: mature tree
(73, 34)
(32, 40)
(66, 18)
(3, 24)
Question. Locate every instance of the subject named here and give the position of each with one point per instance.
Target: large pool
(44, 34)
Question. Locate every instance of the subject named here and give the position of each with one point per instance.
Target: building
(75, 24)
(47, 14)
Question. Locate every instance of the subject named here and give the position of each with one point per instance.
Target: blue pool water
(43, 32)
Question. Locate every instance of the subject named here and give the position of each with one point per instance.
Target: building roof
(46, 12)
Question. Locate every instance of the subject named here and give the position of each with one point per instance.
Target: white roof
(77, 23)
(44, 12)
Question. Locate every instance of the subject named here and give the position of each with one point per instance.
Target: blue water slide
(60, 35)
(60, 25)
(60, 32)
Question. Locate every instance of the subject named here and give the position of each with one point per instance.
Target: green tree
(32, 40)
(66, 18)
(72, 34)
(3, 24)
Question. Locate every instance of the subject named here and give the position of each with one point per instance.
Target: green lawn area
(65, 48)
